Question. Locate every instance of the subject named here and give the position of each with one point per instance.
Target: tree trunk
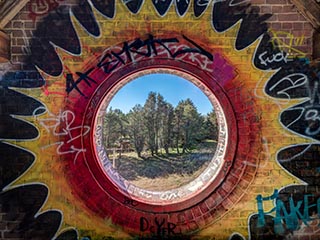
(167, 150)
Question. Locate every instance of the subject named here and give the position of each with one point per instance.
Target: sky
(173, 88)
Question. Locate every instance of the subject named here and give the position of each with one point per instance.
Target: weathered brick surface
(290, 22)
(296, 34)
(285, 18)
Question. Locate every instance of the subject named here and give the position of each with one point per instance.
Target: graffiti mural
(58, 179)
(39, 8)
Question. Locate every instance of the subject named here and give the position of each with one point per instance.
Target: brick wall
(286, 24)
(289, 29)
(292, 28)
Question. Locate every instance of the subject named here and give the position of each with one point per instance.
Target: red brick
(211, 202)
(203, 207)
(20, 41)
(233, 198)
(181, 218)
(305, 49)
(287, 25)
(308, 26)
(289, 8)
(207, 218)
(302, 18)
(257, 2)
(222, 193)
(214, 213)
(298, 33)
(273, 18)
(265, 9)
(304, 237)
(189, 215)
(307, 33)
(288, 17)
(196, 211)
(243, 184)
(201, 222)
(237, 169)
(16, 50)
(15, 59)
(297, 25)
(29, 24)
(276, 9)
(279, 2)
(16, 33)
(307, 42)
(227, 186)
(193, 226)
(17, 24)
(276, 26)
(24, 16)
(227, 204)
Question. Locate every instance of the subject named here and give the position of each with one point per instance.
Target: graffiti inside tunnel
(59, 176)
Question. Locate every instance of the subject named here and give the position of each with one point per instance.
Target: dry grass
(164, 172)
(166, 183)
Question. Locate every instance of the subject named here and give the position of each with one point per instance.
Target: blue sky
(171, 87)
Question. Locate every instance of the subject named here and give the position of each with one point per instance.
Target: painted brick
(207, 218)
(181, 218)
(193, 225)
(285, 18)
(196, 212)
(189, 215)
(203, 207)
(211, 202)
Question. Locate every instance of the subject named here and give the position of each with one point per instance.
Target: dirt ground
(164, 172)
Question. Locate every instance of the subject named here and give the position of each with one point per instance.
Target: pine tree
(149, 113)
(137, 129)
(114, 127)
(189, 122)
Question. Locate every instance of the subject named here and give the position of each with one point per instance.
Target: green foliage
(190, 124)
(157, 125)
(150, 119)
(137, 128)
(115, 127)
(210, 126)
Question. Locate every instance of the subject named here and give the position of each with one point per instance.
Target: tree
(190, 122)
(163, 123)
(137, 130)
(114, 127)
(149, 113)
(158, 125)
(159, 118)
(210, 127)
(167, 126)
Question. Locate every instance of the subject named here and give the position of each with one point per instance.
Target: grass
(164, 172)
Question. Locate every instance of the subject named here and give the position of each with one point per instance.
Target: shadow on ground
(160, 166)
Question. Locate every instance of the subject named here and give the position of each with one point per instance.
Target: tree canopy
(157, 126)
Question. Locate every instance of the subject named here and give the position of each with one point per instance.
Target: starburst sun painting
(159, 120)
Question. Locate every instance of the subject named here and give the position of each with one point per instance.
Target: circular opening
(160, 136)
(163, 138)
